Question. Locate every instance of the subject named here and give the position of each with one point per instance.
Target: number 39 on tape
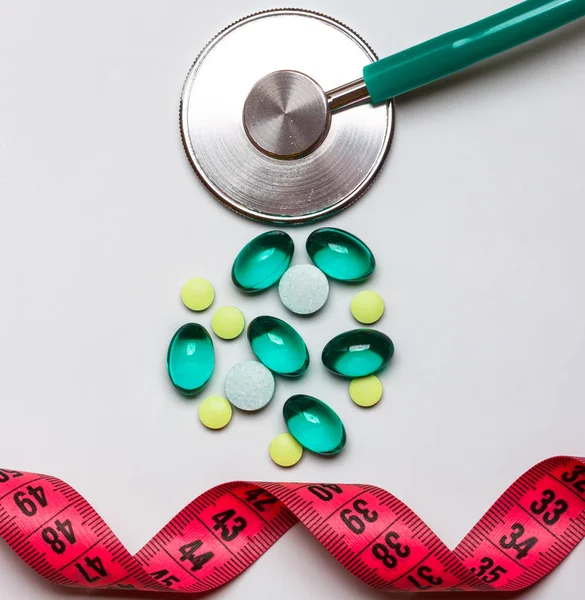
(530, 529)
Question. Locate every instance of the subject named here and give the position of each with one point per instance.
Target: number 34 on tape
(530, 529)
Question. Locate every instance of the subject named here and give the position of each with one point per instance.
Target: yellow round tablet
(367, 307)
(228, 322)
(215, 412)
(197, 294)
(365, 391)
(285, 451)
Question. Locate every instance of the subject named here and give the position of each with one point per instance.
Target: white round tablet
(304, 289)
(249, 385)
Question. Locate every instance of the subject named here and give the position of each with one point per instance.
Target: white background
(476, 222)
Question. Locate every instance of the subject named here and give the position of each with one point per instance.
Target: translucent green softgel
(358, 353)
(263, 261)
(190, 358)
(340, 254)
(314, 424)
(278, 346)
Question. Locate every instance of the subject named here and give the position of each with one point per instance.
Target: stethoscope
(270, 143)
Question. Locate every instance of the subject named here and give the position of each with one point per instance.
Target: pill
(358, 353)
(285, 451)
(228, 322)
(215, 412)
(278, 346)
(366, 391)
(249, 385)
(304, 289)
(340, 254)
(314, 424)
(190, 358)
(262, 261)
(197, 294)
(367, 307)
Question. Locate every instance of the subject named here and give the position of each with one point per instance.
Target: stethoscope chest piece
(257, 125)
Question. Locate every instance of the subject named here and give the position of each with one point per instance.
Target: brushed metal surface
(286, 115)
(245, 179)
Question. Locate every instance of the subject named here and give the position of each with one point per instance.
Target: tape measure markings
(527, 532)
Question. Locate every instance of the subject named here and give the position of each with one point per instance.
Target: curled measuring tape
(530, 529)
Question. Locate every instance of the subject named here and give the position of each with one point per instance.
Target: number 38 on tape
(530, 529)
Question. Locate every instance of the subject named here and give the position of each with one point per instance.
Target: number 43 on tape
(530, 529)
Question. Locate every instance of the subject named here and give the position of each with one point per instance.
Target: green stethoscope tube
(453, 51)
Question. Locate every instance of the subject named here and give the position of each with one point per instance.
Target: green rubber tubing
(458, 49)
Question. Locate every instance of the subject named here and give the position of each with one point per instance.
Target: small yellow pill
(215, 412)
(197, 294)
(228, 322)
(366, 391)
(285, 451)
(367, 307)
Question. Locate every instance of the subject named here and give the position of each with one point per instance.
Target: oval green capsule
(358, 353)
(263, 261)
(314, 424)
(190, 358)
(278, 346)
(340, 255)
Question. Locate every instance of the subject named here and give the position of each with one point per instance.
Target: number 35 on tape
(530, 529)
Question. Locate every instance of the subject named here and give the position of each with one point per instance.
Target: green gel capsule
(263, 261)
(278, 346)
(340, 255)
(358, 353)
(190, 359)
(314, 425)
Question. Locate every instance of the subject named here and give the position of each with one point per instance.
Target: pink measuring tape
(530, 529)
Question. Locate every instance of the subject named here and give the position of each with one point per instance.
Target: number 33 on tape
(530, 529)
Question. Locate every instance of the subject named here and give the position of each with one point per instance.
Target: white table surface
(476, 221)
